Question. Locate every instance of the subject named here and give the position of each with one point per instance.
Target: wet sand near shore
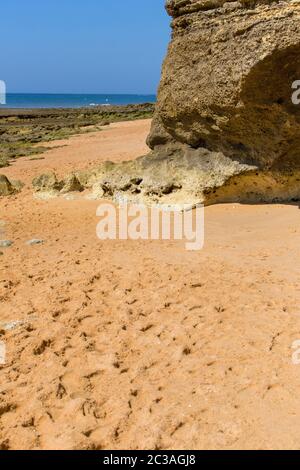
(142, 344)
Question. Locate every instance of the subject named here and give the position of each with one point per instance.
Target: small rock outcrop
(47, 182)
(8, 187)
(48, 185)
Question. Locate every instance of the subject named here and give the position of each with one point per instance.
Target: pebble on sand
(5, 243)
(9, 326)
(34, 242)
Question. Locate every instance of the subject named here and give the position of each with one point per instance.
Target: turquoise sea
(38, 100)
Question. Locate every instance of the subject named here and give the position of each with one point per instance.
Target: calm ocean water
(26, 100)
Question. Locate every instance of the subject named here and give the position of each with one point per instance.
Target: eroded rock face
(225, 127)
(226, 87)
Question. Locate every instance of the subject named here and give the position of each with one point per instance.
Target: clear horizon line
(77, 94)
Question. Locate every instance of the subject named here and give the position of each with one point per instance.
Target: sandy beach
(142, 344)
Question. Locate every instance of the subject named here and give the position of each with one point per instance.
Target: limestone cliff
(226, 82)
(226, 87)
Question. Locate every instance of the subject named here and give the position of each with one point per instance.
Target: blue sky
(83, 46)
